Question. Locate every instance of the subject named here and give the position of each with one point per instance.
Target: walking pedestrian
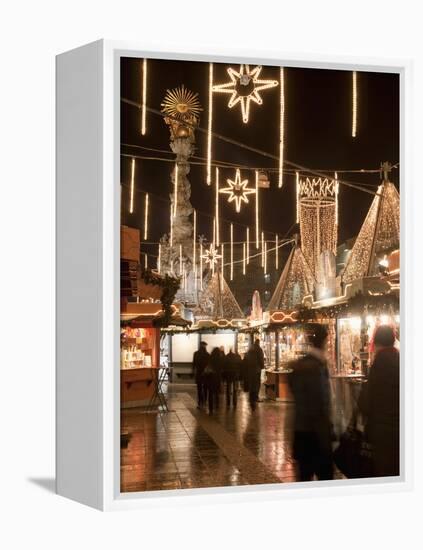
(379, 404)
(232, 373)
(253, 365)
(313, 431)
(200, 361)
(212, 376)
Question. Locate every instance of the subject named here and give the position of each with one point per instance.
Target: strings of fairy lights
(210, 122)
(354, 104)
(144, 97)
(282, 125)
(261, 242)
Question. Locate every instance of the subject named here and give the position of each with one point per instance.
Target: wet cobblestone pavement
(187, 448)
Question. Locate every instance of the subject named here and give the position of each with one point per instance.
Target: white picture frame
(88, 302)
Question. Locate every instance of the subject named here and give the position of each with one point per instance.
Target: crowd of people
(314, 438)
(216, 370)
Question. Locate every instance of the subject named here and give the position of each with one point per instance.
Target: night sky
(317, 135)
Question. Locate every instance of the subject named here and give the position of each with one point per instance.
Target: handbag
(353, 456)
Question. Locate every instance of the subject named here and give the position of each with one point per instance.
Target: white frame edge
(108, 493)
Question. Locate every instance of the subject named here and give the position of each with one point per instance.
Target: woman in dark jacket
(253, 365)
(379, 404)
(212, 378)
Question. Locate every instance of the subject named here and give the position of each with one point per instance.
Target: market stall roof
(378, 235)
(217, 302)
(296, 282)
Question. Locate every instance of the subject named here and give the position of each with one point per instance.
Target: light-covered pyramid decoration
(378, 235)
(296, 281)
(217, 302)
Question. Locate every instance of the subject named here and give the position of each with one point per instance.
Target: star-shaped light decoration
(238, 190)
(244, 87)
(211, 256)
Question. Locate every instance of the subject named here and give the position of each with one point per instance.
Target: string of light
(210, 122)
(144, 97)
(281, 126)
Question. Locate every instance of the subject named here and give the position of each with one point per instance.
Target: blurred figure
(313, 430)
(212, 377)
(231, 376)
(379, 404)
(253, 365)
(200, 361)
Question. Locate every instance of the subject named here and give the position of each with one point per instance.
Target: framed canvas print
(229, 235)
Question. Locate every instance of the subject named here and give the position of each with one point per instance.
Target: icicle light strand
(210, 123)
(180, 259)
(232, 251)
(217, 209)
(262, 249)
(223, 265)
(201, 266)
(243, 257)
(175, 198)
(354, 104)
(336, 197)
(248, 245)
(282, 126)
(297, 187)
(146, 217)
(194, 248)
(257, 209)
(144, 98)
(277, 253)
(159, 259)
(265, 258)
(131, 198)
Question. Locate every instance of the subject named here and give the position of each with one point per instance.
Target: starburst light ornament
(211, 256)
(244, 87)
(237, 190)
(181, 109)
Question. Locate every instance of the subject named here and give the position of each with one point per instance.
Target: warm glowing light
(175, 193)
(336, 200)
(257, 209)
(232, 252)
(194, 248)
(265, 257)
(144, 97)
(180, 259)
(210, 122)
(201, 265)
(262, 249)
(217, 208)
(146, 217)
(159, 259)
(354, 104)
(243, 258)
(145, 261)
(277, 252)
(222, 250)
(211, 257)
(238, 190)
(297, 179)
(281, 126)
(244, 86)
(171, 225)
(131, 198)
(214, 232)
(248, 245)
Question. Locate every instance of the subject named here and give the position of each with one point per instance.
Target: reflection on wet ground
(187, 448)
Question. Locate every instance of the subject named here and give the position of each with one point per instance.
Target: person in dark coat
(313, 430)
(231, 374)
(379, 404)
(212, 378)
(200, 361)
(253, 365)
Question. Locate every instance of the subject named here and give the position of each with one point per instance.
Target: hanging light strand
(171, 225)
(146, 216)
(297, 193)
(244, 246)
(282, 126)
(262, 249)
(217, 208)
(175, 198)
(132, 191)
(265, 257)
(257, 210)
(248, 245)
(277, 252)
(144, 98)
(354, 104)
(194, 248)
(180, 259)
(232, 252)
(336, 197)
(210, 123)
(223, 265)
(159, 258)
(201, 265)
